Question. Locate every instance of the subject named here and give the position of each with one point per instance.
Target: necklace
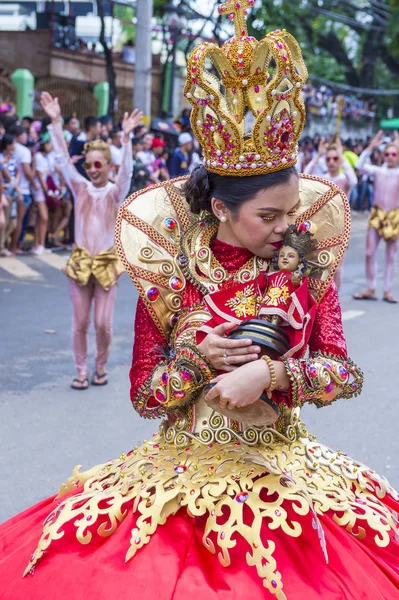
(199, 263)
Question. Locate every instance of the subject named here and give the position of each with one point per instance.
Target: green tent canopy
(389, 124)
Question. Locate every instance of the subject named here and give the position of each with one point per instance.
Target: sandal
(98, 376)
(390, 299)
(83, 384)
(367, 295)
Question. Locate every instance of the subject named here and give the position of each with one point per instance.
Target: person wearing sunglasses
(94, 267)
(384, 217)
(339, 172)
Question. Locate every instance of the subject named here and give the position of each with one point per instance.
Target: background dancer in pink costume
(93, 268)
(384, 217)
(339, 172)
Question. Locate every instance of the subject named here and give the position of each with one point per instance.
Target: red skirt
(161, 523)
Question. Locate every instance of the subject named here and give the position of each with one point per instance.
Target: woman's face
(48, 147)
(97, 168)
(391, 156)
(261, 222)
(332, 160)
(10, 149)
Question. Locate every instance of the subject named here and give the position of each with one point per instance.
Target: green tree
(348, 41)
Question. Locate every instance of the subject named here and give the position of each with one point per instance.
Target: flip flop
(390, 300)
(99, 377)
(364, 296)
(81, 387)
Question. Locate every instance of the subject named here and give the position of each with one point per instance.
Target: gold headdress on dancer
(265, 78)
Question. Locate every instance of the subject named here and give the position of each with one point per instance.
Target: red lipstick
(276, 244)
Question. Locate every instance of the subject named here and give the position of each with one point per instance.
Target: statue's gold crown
(265, 78)
(300, 238)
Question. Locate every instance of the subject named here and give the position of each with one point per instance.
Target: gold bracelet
(272, 371)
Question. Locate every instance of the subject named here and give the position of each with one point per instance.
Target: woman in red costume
(210, 506)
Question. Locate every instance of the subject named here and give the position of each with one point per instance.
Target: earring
(223, 219)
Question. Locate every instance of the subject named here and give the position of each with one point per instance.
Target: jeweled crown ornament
(264, 78)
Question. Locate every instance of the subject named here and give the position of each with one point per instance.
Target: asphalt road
(46, 428)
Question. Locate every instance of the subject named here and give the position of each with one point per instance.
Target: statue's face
(288, 259)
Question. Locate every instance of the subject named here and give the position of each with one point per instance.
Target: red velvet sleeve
(327, 374)
(147, 355)
(327, 335)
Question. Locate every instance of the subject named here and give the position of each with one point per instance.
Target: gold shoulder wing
(147, 235)
(325, 208)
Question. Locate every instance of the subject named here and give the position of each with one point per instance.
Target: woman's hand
(225, 354)
(242, 387)
(376, 141)
(130, 122)
(50, 106)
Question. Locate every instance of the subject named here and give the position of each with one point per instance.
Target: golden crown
(265, 78)
(300, 239)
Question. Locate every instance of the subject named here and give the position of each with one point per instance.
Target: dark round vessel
(271, 338)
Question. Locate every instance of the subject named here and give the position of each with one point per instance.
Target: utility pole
(143, 68)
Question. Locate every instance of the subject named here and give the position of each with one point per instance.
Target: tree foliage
(348, 41)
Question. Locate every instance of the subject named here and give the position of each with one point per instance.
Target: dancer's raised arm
(52, 108)
(122, 186)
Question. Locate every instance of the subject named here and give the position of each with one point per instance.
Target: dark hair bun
(197, 190)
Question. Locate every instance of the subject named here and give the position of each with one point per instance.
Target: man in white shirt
(129, 53)
(23, 156)
(146, 156)
(116, 148)
(71, 128)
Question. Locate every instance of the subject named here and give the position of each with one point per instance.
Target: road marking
(18, 268)
(53, 260)
(352, 314)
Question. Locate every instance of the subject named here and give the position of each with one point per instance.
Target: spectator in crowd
(26, 122)
(11, 175)
(46, 190)
(141, 175)
(3, 214)
(323, 101)
(180, 159)
(161, 172)
(71, 128)
(23, 156)
(146, 155)
(140, 131)
(106, 127)
(92, 130)
(349, 153)
(34, 132)
(116, 147)
(129, 53)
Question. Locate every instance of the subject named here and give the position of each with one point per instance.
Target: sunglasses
(394, 154)
(97, 164)
(331, 158)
